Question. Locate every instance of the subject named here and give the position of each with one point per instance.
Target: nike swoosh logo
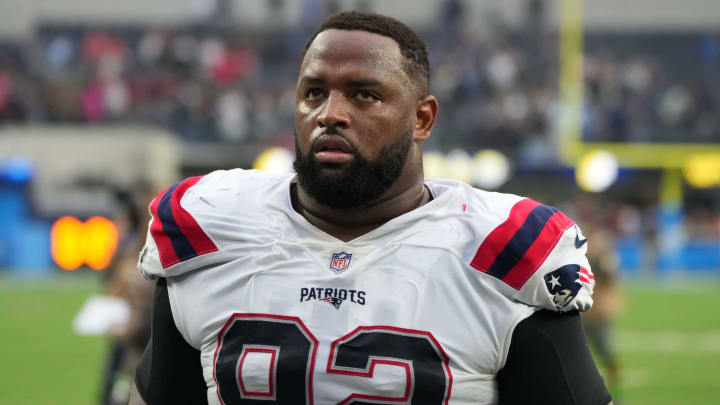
(579, 243)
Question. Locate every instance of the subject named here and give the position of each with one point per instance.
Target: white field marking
(634, 377)
(668, 342)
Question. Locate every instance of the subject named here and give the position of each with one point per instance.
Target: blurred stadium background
(609, 110)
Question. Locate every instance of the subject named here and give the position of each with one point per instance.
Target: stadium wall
(47, 172)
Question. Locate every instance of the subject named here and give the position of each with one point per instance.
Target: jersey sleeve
(176, 242)
(540, 253)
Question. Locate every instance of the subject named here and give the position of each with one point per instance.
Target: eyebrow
(312, 81)
(364, 83)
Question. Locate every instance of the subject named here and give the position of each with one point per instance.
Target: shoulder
(174, 229)
(532, 248)
(521, 234)
(190, 220)
(485, 209)
(222, 191)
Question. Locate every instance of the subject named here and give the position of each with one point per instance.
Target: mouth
(333, 149)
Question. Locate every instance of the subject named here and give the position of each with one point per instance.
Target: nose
(334, 112)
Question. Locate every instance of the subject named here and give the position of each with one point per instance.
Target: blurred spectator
(232, 115)
(128, 339)
(498, 86)
(607, 303)
(11, 106)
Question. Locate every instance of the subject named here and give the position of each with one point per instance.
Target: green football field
(668, 338)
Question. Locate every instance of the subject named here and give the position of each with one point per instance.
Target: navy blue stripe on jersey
(180, 243)
(521, 241)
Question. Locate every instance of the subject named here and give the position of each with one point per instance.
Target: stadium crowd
(215, 81)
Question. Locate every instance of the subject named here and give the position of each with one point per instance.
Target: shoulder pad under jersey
(540, 253)
(174, 235)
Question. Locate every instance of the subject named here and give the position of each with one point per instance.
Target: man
(358, 280)
(608, 303)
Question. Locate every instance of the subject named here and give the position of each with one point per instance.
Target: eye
(312, 94)
(367, 95)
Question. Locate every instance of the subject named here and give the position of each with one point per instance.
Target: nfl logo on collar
(340, 261)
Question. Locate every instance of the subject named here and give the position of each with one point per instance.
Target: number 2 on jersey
(291, 350)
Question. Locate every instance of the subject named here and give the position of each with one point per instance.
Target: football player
(357, 280)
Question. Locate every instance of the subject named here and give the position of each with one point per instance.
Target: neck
(348, 224)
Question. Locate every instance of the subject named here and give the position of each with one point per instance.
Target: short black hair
(412, 47)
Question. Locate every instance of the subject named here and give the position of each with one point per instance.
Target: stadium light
(65, 243)
(491, 169)
(434, 164)
(459, 165)
(596, 171)
(702, 170)
(274, 160)
(74, 243)
(101, 240)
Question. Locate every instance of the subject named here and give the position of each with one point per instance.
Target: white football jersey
(418, 311)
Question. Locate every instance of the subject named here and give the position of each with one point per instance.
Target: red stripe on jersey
(583, 279)
(495, 242)
(162, 240)
(187, 224)
(587, 273)
(539, 250)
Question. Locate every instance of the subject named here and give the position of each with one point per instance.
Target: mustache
(327, 131)
(337, 132)
(333, 130)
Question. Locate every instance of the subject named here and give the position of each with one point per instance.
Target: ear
(425, 114)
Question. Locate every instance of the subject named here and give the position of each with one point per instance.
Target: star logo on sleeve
(553, 282)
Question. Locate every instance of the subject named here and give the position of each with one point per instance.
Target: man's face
(354, 114)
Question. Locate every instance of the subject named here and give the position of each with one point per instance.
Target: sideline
(668, 342)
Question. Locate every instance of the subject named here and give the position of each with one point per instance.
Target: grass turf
(43, 360)
(668, 339)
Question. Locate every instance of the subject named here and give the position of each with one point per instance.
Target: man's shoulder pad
(515, 249)
(176, 233)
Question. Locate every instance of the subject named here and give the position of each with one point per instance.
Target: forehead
(334, 49)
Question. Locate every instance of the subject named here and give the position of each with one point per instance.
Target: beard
(357, 185)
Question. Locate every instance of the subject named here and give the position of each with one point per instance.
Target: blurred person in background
(128, 339)
(261, 277)
(607, 303)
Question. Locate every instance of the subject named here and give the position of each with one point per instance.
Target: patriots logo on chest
(334, 301)
(333, 296)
